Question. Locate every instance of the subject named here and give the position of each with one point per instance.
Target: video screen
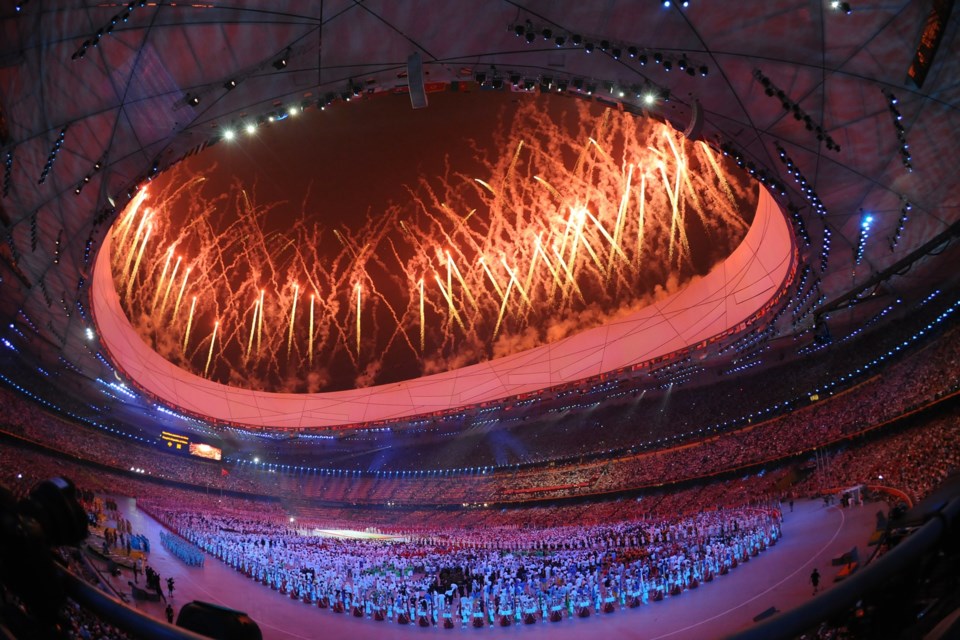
(205, 451)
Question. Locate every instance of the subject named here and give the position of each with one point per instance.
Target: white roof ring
(732, 293)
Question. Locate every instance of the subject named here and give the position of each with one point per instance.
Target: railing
(940, 523)
(138, 624)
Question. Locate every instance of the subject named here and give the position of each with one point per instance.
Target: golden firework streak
(183, 286)
(582, 239)
(568, 221)
(599, 148)
(358, 319)
(173, 277)
(163, 274)
(721, 179)
(213, 341)
(133, 245)
(462, 282)
(253, 326)
(453, 310)
(503, 306)
(513, 163)
(186, 335)
(621, 218)
(293, 314)
(133, 208)
(549, 187)
(450, 286)
(310, 336)
(136, 265)
(260, 323)
(422, 325)
(513, 278)
(533, 263)
(640, 221)
(546, 261)
(614, 246)
(570, 279)
(485, 186)
(673, 205)
(496, 286)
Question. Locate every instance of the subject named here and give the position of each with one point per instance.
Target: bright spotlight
(293, 110)
(251, 128)
(228, 134)
(649, 98)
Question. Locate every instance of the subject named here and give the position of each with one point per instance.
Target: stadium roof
(853, 112)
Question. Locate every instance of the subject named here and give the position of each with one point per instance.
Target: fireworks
(571, 227)
(186, 334)
(293, 317)
(213, 341)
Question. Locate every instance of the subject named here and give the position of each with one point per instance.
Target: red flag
(224, 472)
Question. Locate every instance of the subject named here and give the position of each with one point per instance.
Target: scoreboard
(175, 440)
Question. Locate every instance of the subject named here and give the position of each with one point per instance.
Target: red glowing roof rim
(731, 293)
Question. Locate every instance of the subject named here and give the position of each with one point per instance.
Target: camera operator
(32, 589)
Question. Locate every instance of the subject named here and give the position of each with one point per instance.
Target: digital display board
(175, 440)
(205, 451)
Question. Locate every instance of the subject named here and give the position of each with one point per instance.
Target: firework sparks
(183, 287)
(423, 325)
(136, 265)
(293, 316)
(253, 328)
(144, 220)
(166, 265)
(486, 186)
(260, 321)
(359, 309)
(186, 334)
(213, 341)
(310, 335)
(578, 217)
(131, 213)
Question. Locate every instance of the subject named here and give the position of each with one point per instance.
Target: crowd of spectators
(913, 381)
(80, 622)
(911, 460)
(621, 415)
(914, 461)
(29, 421)
(903, 386)
(83, 624)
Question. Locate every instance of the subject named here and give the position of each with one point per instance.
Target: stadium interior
(374, 318)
